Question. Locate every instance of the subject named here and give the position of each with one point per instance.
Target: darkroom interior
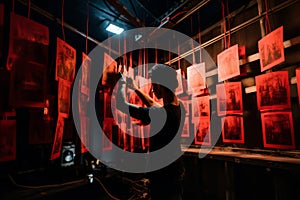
(63, 134)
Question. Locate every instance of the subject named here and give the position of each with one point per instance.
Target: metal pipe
(235, 29)
(66, 25)
(261, 21)
(197, 7)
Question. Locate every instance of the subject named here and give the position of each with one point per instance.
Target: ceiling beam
(123, 10)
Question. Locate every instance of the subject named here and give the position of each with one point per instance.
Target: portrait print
(202, 131)
(56, 148)
(179, 89)
(65, 61)
(28, 85)
(107, 134)
(109, 69)
(196, 78)
(84, 132)
(7, 140)
(298, 82)
(273, 91)
(64, 89)
(278, 130)
(233, 129)
(85, 75)
(28, 42)
(228, 63)
(271, 49)
(230, 101)
(200, 107)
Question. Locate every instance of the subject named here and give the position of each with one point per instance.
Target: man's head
(163, 78)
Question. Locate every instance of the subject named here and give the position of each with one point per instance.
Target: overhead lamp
(114, 29)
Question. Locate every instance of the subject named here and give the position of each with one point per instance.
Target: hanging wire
(228, 21)
(199, 38)
(194, 59)
(156, 54)
(178, 51)
(224, 24)
(13, 6)
(87, 27)
(29, 5)
(62, 19)
(267, 22)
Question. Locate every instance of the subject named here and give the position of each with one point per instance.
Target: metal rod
(235, 29)
(197, 7)
(66, 25)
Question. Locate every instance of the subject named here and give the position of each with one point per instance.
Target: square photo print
(278, 130)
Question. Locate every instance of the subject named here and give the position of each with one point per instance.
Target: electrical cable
(45, 186)
(104, 188)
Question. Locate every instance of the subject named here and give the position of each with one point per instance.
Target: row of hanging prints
(28, 59)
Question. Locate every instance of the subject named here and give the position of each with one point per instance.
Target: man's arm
(146, 99)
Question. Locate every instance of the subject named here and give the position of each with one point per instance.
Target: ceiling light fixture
(114, 29)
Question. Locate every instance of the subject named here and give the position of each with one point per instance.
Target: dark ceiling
(182, 15)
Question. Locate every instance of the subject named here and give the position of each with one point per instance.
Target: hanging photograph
(179, 89)
(107, 105)
(107, 134)
(28, 42)
(27, 85)
(65, 61)
(273, 91)
(230, 101)
(202, 131)
(196, 78)
(271, 49)
(85, 74)
(233, 129)
(186, 126)
(7, 140)
(64, 89)
(109, 70)
(58, 138)
(278, 130)
(228, 63)
(298, 82)
(84, 132)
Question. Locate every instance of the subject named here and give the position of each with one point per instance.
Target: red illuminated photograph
(64, 89)
(56, 148)
(230, 101)
(107, 134)
(109, 69)
(202, 131)
(7, 140)
(28, 85)
(28, 42)
(298, 82)
(196, 78)
(271, 49)
(228, 63)
(84, 132)
(107, 105)
(65, 61)
(233, 129)
(179, 89)
(273, 91)
(186, 126)
(278, 130)
(85, 74)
